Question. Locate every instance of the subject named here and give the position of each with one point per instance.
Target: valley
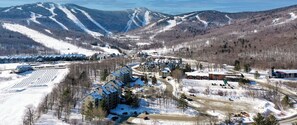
(69, 64)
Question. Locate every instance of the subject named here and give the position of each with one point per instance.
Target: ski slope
(132, 21)
(77, 21)
(171, 24)
(147, 18)
(50, 42)
(34, 17)
(230, 19)
(7, 10)
(202, 21)
(93, 21)
(52, 17)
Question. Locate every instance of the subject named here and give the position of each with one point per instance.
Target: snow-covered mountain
(257, 37)
(77, 18)
(68, 22)
(84, 27)
(199, 22)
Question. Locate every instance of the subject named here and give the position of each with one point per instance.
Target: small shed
(285, 73)
(165, 72)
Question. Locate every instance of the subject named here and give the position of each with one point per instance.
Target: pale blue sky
(169, 6)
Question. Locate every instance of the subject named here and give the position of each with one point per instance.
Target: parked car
(146, 118)
(214, 84)
(114, 118)
(189, 99)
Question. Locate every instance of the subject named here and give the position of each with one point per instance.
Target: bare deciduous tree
(29, 117)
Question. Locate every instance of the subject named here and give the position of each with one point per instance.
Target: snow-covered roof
(96, 95)
(218, 73)
(166, 69)
(121, 71)
(105, 90)
(110, 88)
(119, 83)
(196, 73)
(288, 71)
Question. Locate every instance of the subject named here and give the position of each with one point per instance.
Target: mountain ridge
(210, 32)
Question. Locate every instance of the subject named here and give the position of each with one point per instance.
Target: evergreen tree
(145, 79)
(259, 120)
(131, 99)
(154, 80)
(247, 68)
(257, 75)
(201, 66)
(89, 111)
(271, 120)
(183, 96)
(237, 65)
(188, 68)
(99, 113)
(104, 75)
(285, 101)
(182, 103)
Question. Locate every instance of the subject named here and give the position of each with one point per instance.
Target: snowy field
(154, 107)
(9, 66)
(201, 85)
(13, 103)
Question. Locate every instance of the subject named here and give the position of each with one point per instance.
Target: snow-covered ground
(48, 41)
(158, 51)
(108, 50)
(50, 119)
(154, 107)
(9, 66)
(142, 44)
(13, 103)
(160, 122)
